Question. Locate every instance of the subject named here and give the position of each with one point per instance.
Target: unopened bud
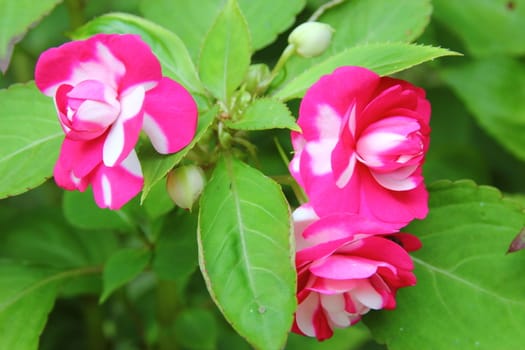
(311, 38)
(257, 78)
(185, 185)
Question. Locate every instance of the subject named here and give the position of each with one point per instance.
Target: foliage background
(470, 294)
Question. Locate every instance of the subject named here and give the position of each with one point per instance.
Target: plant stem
(319, 12)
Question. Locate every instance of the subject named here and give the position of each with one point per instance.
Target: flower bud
(311, 38)
(257, 77)
(185, 185)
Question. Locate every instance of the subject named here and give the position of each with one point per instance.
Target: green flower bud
(185, 184)
(311, 38)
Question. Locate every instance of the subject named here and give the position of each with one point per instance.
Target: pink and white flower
(107, 89)
(362, 145)
(346, 266)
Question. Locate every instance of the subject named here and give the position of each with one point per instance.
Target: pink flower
(363, 142)
(346, 266)
(106, 90)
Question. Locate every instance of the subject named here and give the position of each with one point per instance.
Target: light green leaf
(469, 293)
(168, 47)
(191, 20)
(383, 58)
(81, 211)
(360, 22)
(17, 18)
(225, 54)
(494, 91)
(156, 166)
(122, 267)
(30, 135)
(27, 294)
(487, 27)
(265, 113)
(245, 253)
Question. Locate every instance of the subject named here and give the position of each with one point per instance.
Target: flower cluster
(358, 159)
(106, 90)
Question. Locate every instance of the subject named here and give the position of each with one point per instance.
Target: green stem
(93, 322)
(319, 12)
(168, 307)
(75, 9)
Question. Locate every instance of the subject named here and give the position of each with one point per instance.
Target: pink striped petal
(170, 118)
(345, 267)
(124, 133)
(115, 186)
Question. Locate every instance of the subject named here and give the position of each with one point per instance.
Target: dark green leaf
(265, 113)
(196, 329)
(169, 49)
(469, 293)
(487, 27)
(225, 54)
(30, 135)
(122, 267)
(245, 253)
(361, 22)
(383, 58)
(494, 91)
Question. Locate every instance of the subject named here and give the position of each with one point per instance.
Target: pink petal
(305, 314)
(124, 133)
(380, 248)
(366, 294)
(115, 186)
(170, 118)
(345, 267)
(334, 307)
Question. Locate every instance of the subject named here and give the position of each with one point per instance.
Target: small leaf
(518, 243)
(17, 18)
(122, 267)
(494, 90)
(466, 283)
(245, 253)
(264, 114)
(168, 47)
(156, 166)
(383, 58)
(30, 135)
(225, 55)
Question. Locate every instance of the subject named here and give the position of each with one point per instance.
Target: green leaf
(487, 27)
(196, 329)
(122, 267)
(81, 211)
(175, 257)
(191, 20)
(268, 18)
(17, 18)
(245, 253)
(383, 58)
(158, 201)
(264, 114)
(225, 54)
(27, 294)
(30, 135)
(168, 47)
(360, 22)
(466, 283)
(156, 166)
(494, 91)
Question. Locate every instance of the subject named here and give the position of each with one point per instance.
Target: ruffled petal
(115, 186)
(124, 133)
(170, 118)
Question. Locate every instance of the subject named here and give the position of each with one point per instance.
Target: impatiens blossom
(107, 89)
(362, 145)
(346, 265)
